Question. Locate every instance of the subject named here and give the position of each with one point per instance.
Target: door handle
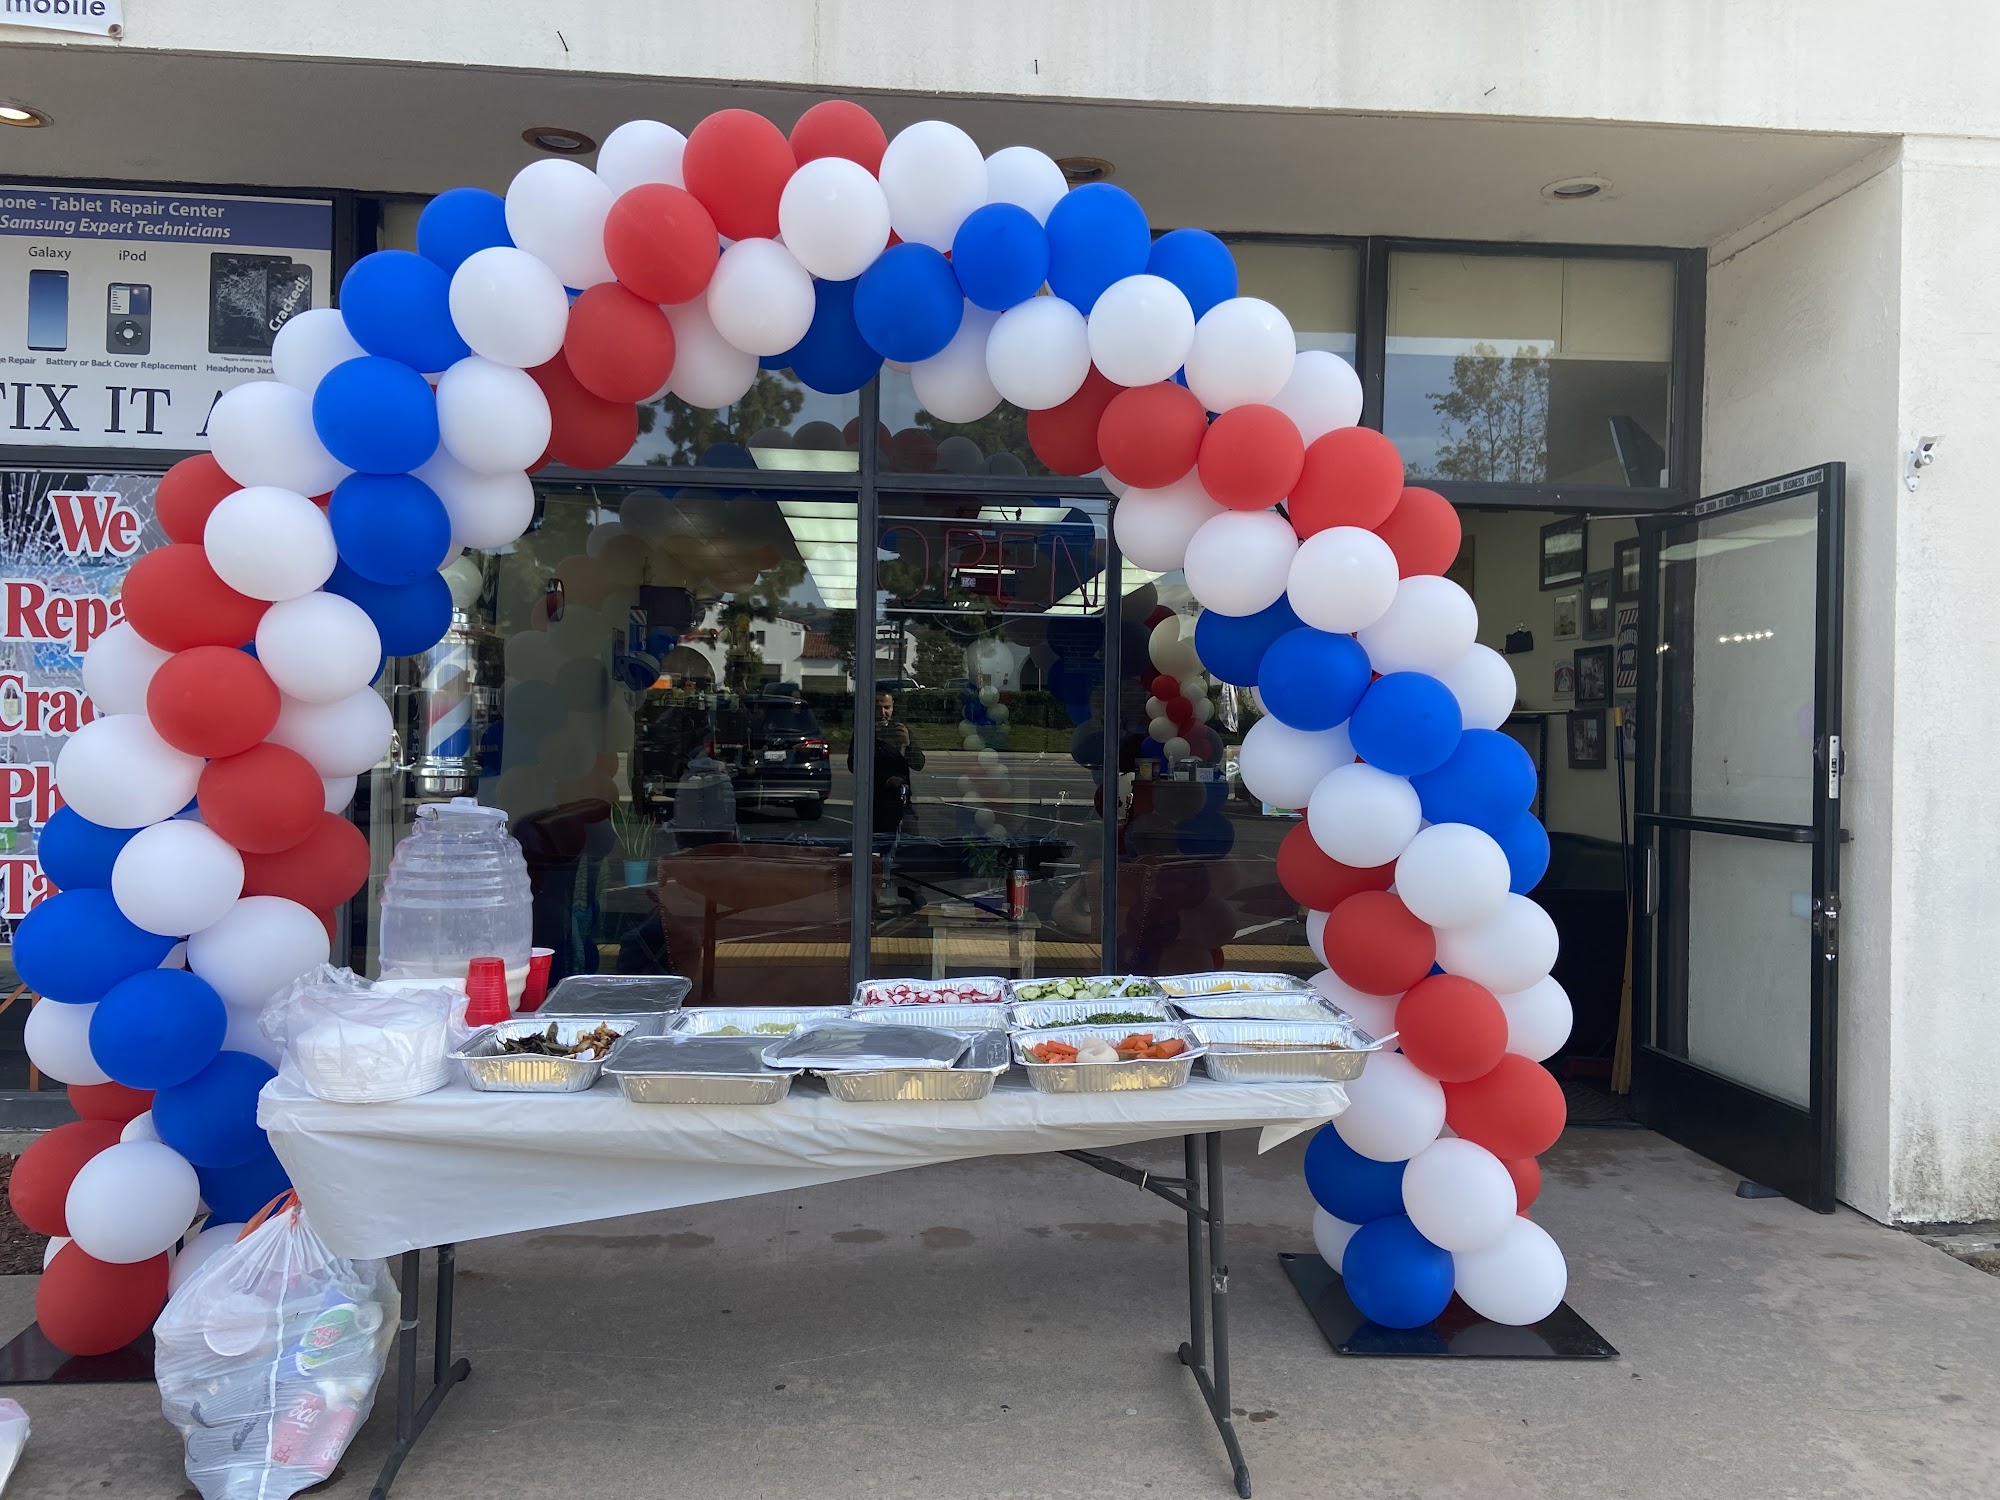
(1650, 903)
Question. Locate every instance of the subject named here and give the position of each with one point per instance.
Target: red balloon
(619, 346)
(912, 451)
(1151, 435)
(187, 493)
(1422, 531)
(331, 922)
(1164, 687)
(585, 431)
(1318, 881)
(1160, 612)
(1250, 457)
(1527, 1175)
(1065, 437)
(109, 1101)
(661, 243)
(1377, 944)
(737, 164)
(1351, 477)
(38, 1192)
(1180, 710)
(212, 701)
(1452, 1028)
(839, 127)
(89, 1306)
(175, 601)
(321, 871)
(1515, 1110)
(264, 800)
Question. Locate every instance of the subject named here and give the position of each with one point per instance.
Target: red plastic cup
(536, 990)
(486, 992)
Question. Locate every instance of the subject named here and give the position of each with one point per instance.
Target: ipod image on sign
(128, 318)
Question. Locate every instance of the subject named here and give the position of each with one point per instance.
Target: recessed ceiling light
(1570, 189)
(1082, 169)
(559, 139)
(24, 115)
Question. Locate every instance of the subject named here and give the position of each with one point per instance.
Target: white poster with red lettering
(66, 541)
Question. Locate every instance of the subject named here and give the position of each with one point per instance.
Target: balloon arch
(203, 805)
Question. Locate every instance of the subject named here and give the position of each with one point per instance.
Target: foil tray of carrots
(1107, 1059)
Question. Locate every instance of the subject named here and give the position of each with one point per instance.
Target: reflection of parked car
(772, 746)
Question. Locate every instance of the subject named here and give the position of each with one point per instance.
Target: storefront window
(780, 425)
(1316, 286)
(1530, 370)
(916, 442)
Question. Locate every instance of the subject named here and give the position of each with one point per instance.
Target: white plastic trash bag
(13, 1438)
(268, 1359)
(353, 1042)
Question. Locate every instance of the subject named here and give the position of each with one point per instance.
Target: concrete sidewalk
(1006, 1329)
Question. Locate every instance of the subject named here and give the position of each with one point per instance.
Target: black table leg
(412, 1419)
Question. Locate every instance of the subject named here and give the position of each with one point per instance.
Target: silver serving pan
(1302, 1005)
(949, 1017)
(678, 1069)
(709, 1020)
(1034, 1015)
(873, 993)
(1265, 1051)
(845, 1046)
(1107, 1078)
(970, 1078)
(492, 1071)
(1103, 987)
(616, 995)
(1225, 982)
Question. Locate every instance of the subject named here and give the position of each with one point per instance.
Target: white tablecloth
(379, 1179)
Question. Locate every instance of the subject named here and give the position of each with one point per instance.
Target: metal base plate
(32, 1360)
(1458, 1332)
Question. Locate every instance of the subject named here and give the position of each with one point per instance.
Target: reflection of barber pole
(446, 766)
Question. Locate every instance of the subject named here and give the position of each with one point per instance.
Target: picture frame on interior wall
(1597, 606)
(1593, 676)
(1563, 684)
(1625, 569)
(1625, 662)
(1626, 708)
(1586, 739)
(1569, 609)
(1564, 548)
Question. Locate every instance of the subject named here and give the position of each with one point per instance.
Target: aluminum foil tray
(974, 990)
(1093, 987)
(680, 1069)
(713, 1020)
(845, 1046)
(970, 1078)
(1034, 1015)
(616, 994)
(1107, 1078)
(1225, 982)
(489, 1070)
(1302, 1005)
(950, 1017)
(1265, 1051)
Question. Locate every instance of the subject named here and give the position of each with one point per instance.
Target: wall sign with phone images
(125, 313)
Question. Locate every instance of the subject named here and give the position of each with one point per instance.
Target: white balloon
(1140, 330)
(933, 176)
(262, 433)
(50, 1250)
(117, 772)
(1458, 1195)
(1375, 1014)
(311, 343)
(262, 945)
(1394, 1109)
(119, 667)
(339, 791)
(56, 1038)
(176, 877)
(1282, 765)
(1508, 952)
(509, 307)
(319, 647)
(640, 151)
(1242, 353)
(1154, 527)
(1538, 1019)
(760, 298)
(487, 510)
(647, 514)
(492, 418)
(709, 371)
(1428, 626)
(1038, 353)
(1239, 562)
(555, 212)
(1452, 874)
(1161, 728)
(245, 1033)
(1363, 816)
(342, 738)
(834, 218)
(1323, 394)
(1342, 580)
(1316, 933)
(1028, 178)
(1483, 683)
(131, 1202)
(1175, 749)
(140, 1128)
(197, 1253)
(1519, 1279)
(269, 543)
(1330, 1236)
(952, 385)
(1156, 708)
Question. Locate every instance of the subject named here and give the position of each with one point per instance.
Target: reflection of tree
(773, 400)
(1496, 417)
(939, 657)
(743, 661)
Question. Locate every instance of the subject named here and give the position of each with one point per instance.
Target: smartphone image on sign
(250, 297)
(128, 318)
(48, 311)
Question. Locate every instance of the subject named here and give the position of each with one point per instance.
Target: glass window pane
(1316, 286)
(780, 424)
(1530, 370)
(915, 442)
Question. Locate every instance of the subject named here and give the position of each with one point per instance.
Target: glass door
(1738, 822)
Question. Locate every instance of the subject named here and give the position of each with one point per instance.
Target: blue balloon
(158, 1029)
(1208, 835)
(398, 305)
(1232, 647)
(376, 416)
(460, 222)
(1395, 1277)
(212, 1118)
(1312, 679)
(833, 357)
(1406, 723)
(1198, 263)
(1349, 1185)
(76, 945)
(77, 853)
(411, 618)
(1489, 781)
(1001, 256)
(390, 528)
(908, 305)
(1526, 844)
(234, 1194)
(1097, 235)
